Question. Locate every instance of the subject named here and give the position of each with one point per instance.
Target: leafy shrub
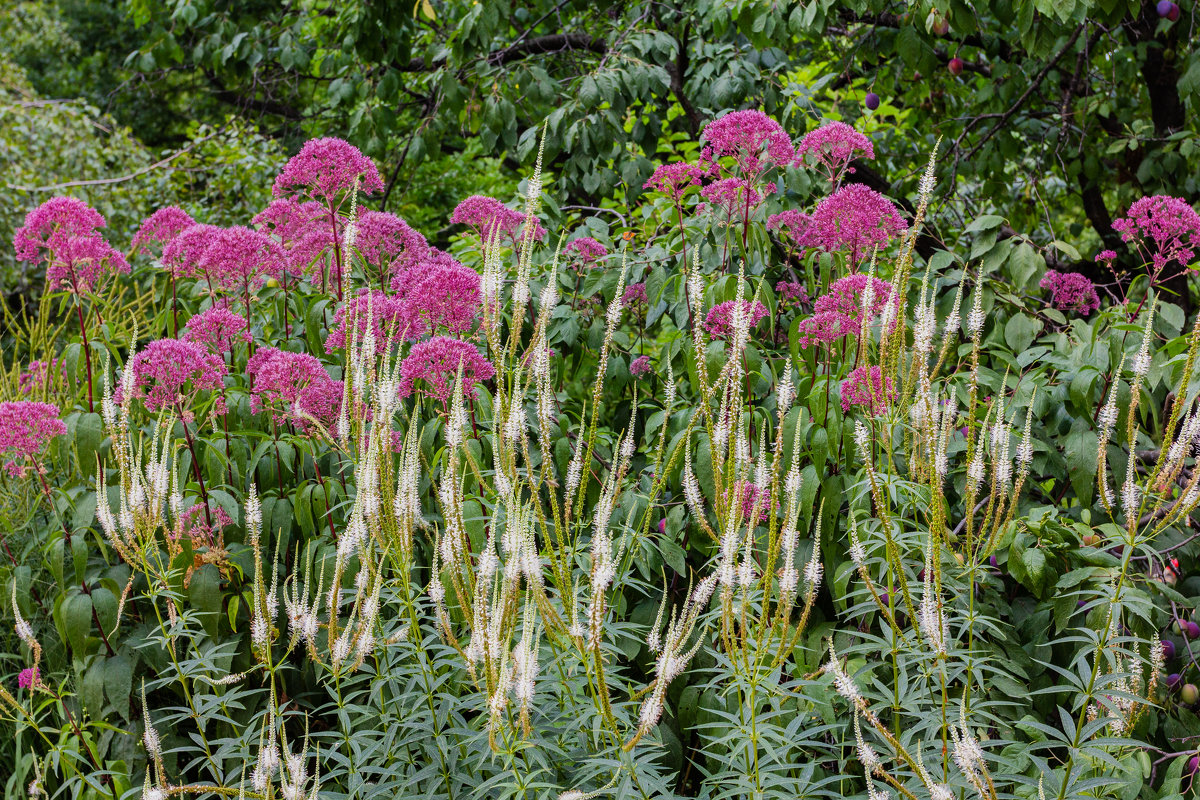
(739, 501)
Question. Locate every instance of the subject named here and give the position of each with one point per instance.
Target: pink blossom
(792, 293)
(239, 259)
(824, 328)
(734, 196)
(446, 296)
(43, 376)
(1163, 228)
(181, 256)
(195, 525)
(405, 276)
(385, 240)
(81, 263)
(325, 169)
(635, 295)
(51, 224)
(751, 138)
(867, 387)
(25, 428)
(674, 179)
(1070, 291)
(28, 678)
(217, 329)
(301, 228)
(719, 320)
(794, 223)
(854, 218)
(586, 249)
(294, 386)
(489, 217)
(435, 364)
(639, 366)
(160, 228)
(1106, 257)
(833, 146)
(755, 501)
(371, 310)
(170, 373)
(845, 297)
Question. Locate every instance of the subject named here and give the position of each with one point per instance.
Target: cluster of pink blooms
(294, 386)
(833, 146)
(325, 169)
(1165, 229)
(27, 678)
(160, 228)
(433, 366)
(792, 293)
(239, 259)
(755, 501)
(867, 387)
(719, 320)
(635, 295)
(64, 232)
(735, 197)
(854, 218)
(385, 240)
(1070, 291)
(373, 311)
(194, 524)
(43, 375)
(794, 223)
(751, 138)
(839, 312)
(586, 250)
(170, 373)
(447, 296)
(639, 366)
(674, 179)
(302, 230)
(182, 253)
(490, 218)
(25, 428)
(217, 329)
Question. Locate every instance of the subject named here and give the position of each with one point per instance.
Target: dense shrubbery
(733, 500)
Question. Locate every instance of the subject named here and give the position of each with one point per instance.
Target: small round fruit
(1193, 765)
(1173, 680)
(871, 101)
(1177, 626)
(994, 562)
(956, 66)
(1189, 694)
(941, 26)
(1090, 540)
(1193, 630)
(1164, 7)
(1173, 15)
(1168, 650)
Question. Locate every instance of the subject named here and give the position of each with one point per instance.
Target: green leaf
(118, 682)
(1020, 330)
(204, 592)
(88, 436)
(77, 621)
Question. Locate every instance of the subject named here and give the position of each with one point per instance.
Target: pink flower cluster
(446, 296)
(635, 295)
(160, 228)
(854, 218)
(386, 241)
(1163, 228)
(867, 387)
(27, 678)
(794, 223)
(239, 259)
(833, 146)
(639, 366)
(490, 218)
(195, 525)
(586, 250)
(64, 232)
(735, 197)
(751, 138)
(302, 229)
(43, 375)
(375, 311)
(839, 312)
(325, 169)
(181, 256)
(1070, 291)
(170, 373)
(674, 179)
(755, 502)
(217, 329)
(294, 386)
(719, 320)
(792, 293)
(25, 428)
(432, 367)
